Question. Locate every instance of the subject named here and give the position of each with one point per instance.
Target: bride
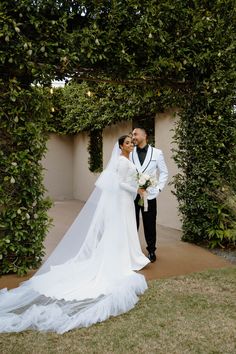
(90, 276)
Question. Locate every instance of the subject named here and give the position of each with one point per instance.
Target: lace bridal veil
(87, 278)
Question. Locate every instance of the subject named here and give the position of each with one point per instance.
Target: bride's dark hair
(122, 139)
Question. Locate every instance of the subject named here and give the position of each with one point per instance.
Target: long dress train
(85, 282)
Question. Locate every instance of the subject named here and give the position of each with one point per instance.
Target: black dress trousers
(149, 222)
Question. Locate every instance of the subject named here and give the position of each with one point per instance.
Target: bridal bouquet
(145, 181)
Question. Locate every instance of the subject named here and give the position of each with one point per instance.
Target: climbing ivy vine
(137, 57)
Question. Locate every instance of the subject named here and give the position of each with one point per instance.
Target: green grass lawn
(185, 314)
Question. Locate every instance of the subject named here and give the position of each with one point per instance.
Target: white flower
(27, 216)
(12, 180)
(150, 35)
(18, 211)
(14, 164)
(146, 177)
(142, 181)
(153, 181)
(89, 93)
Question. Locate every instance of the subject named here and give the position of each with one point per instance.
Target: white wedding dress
(91, 275)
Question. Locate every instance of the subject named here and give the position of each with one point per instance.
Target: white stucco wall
(83, 179)
(58, 164)
(167, 203)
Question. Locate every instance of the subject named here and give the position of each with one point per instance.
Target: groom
(149, 160)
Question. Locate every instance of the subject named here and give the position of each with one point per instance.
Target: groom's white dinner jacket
(153, 165)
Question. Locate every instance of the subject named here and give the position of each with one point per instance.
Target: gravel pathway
(228, 254)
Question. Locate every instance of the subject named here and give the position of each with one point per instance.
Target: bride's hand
(141, 192)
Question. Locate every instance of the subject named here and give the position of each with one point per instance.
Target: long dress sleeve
(123, 171)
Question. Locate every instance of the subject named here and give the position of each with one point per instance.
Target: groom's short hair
(143, 130)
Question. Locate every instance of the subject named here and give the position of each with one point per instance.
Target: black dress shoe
(152, 257)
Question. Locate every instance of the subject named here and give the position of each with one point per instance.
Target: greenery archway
(162, 54)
